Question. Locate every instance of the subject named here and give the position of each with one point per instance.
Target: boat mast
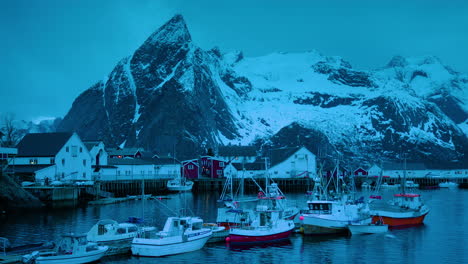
(403, 184)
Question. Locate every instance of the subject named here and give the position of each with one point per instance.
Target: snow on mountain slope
(172, 93)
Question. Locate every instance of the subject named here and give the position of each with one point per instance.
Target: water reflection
(442, 239)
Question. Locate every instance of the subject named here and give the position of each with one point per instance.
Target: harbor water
(442, 239)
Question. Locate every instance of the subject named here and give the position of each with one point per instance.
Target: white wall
(167, 170)
(100, 148)
(73, 166)
(298, 163)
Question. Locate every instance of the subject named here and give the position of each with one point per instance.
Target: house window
(219, 172)
(84, 162)
(33, 161)
(52, 160)
(118, 173)
(81, 149)
(63, 162)
(221, 164)
(190, 167)
(63, 175)
(74, 151)
(67, 149)
(84, 174)
(276, 172)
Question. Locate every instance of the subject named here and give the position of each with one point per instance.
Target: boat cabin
(177, 225)
(320, 207)
(74, 244)
(409, 200)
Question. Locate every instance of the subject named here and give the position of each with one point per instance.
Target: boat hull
(147, 247)
(245, 238)
(320, 226)
(73, 259)
(367, 229)
(394, 221)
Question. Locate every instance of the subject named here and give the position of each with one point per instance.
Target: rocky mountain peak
(173, 31)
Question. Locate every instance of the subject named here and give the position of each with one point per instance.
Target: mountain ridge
(172, 96)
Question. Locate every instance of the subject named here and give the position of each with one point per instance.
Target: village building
(167, 167)
(298, 162)
(204, 167)
(360, 172)
(190, 168)
(397, 170)
(129, 169)
(124, 152)
(99, 157)
(47, 157)
(237, 154)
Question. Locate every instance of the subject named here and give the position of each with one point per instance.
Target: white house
(292, 163)
(99, 157)
(237, 154)
(53, 156)
(167, 167)
(130, 169)
(296, 162)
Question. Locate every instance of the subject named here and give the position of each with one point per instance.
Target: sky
(53, 50)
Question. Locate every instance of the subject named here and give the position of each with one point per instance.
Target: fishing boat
(110, 231)
(448, 184)
(179, 185)
(411, 184)
(179, 235)
(72, 249)
(267, 227)
(238, 210)
(405, 209)
(331, 214)
(361, 229)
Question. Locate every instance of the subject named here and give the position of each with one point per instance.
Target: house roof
(124, 151)
(42, 144)
(128, 161)
(237, 151)
(249, 166)
(161, 160)
(29, 168)
(279, 155)
(91, 143)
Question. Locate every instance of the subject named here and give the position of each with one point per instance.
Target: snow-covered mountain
(171, 95)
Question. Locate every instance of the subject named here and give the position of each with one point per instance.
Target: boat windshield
(196, 226)
(323, 208)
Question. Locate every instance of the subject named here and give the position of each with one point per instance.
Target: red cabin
(190, 169)
(211, 167)
(361, 172)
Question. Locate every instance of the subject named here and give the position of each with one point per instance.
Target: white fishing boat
(110, 232)
(448, 184)
(331, 213)
(361, 229)
(411, 184)
(330, 217)
(180, 235)
(179, 185)
(72, 249)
